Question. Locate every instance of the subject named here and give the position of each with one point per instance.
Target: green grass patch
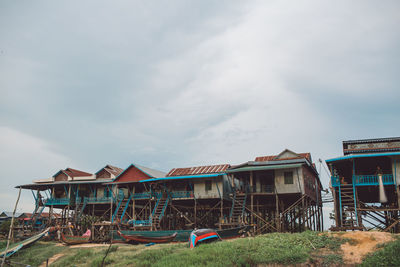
(388, 255)
(37, 253)
(331, 259)
(275, 248)
(267, 249)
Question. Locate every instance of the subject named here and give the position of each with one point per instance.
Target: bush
(5, 227)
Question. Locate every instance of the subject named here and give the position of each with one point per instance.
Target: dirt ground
(362, 243)
(52, 259)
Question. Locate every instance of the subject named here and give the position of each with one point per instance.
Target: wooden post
(277, 215)
(302, 215)
(195, 213)
(11, 228)
(251, 196)
(133, 203)
(69, 202)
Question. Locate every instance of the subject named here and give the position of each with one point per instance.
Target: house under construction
(365, 185)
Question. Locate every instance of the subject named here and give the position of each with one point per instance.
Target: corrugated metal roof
(274, 157)
(74, 173)
(151, 172)
(44, 186)
(353, 156)
(266, 167)
(198, 170)
(113, 170)
(182, 177)
(10, 214)
(374, 140)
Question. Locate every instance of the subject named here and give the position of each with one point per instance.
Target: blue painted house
(365, 185)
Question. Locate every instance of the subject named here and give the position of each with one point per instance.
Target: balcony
(373, 179)
(264, 188)
(56, 201)
(181, 194)
(98, 200)
(366, 180)
(144, 195)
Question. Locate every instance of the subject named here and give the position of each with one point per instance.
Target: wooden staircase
(79, 209)
(349, 206)
(159, 211)
(37, 213)
(238, 207)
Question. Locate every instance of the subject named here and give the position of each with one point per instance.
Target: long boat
(182, 235)
(24, 243)
(74, 240)
(148, 239)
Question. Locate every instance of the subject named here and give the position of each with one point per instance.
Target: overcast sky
(184, 83)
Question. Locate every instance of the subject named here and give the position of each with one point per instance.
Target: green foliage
(87, 221)
(5, 227)
(3, 244)
(331, 259)
(37, 253)
(387, 256)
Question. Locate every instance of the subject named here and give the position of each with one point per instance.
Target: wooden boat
(148, 239)
(74, 240)
(182, 235)
(233, 232)
(25, 243)
(202, 235)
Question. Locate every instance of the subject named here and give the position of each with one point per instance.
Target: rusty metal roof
(113, 170)
(76, 173)
(198, 170)
(274, 157)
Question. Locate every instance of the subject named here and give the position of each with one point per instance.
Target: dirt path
(52, 259)
(362, 243)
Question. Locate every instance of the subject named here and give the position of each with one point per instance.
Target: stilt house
(365, 185)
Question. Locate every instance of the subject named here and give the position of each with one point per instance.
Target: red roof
(274, 157)
(198, 170)
(113, 170)
(76, 173)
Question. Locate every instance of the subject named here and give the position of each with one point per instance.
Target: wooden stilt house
(365, 185)
(277, 193)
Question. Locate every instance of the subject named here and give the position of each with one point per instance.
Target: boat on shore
(203, 235)
(182, 235)
(148, 239)
(74, 240)
(23, 244)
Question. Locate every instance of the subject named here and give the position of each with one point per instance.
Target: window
(288, 177)
(208, 186)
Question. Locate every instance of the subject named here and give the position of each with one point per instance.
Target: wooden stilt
(11, 227)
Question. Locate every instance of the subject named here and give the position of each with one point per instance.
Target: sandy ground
(362, 244)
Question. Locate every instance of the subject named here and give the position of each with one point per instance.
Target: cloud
(25, 158)
(183, 84)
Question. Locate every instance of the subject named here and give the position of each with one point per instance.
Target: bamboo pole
(11, 228)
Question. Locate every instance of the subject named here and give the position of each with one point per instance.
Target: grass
(37, 253)
(388, 255)
(267, 249)
(276, 248)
